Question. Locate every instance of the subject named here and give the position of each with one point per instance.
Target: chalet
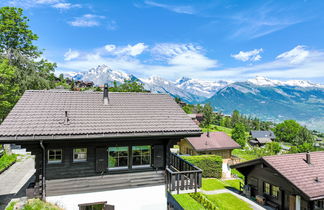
(216, 143)
(291, 181)
(92, 141)
(260, 138)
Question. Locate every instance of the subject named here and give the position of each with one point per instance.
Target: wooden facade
(264, 182)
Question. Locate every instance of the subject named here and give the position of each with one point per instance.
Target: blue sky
(203, 39)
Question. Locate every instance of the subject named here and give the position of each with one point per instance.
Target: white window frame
(80, 160)
(54, 161)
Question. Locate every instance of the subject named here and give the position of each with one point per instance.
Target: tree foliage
(128, 86)
(15, 33)
(21, 66)
(290, 131)
(208, 116)
(8, 89)
(238, 134)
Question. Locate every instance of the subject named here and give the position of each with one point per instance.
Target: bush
(200, 198)
(211, 165)
(39, 204)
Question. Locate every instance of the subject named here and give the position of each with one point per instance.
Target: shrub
(211, 165)
(200, 198)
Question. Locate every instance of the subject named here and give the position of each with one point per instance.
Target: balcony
(182, 175)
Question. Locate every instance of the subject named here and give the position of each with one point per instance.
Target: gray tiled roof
(42, 113)
(263, 134)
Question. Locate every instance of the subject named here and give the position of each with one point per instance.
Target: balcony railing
(182, 175)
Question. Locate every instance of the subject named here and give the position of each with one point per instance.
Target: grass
(36, 204)
(11, 205)
(217, 184)
(244, 155)
(219, 128)
(6, 160)
(187, 202)
(228, 201)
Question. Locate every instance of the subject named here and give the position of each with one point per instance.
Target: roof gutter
(101, 136)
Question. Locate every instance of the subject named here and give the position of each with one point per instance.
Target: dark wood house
(291, 181)
(83, 140)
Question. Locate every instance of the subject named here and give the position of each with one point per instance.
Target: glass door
(118, 158)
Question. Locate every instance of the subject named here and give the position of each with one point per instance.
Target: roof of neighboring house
(297, 171)
(41, 115)
(264, 140)
(215, 141)
(262, 134)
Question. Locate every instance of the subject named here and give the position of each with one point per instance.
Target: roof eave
(10, 139)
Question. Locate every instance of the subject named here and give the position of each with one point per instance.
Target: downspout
(43, 171)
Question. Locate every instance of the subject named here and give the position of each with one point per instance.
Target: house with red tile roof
(216, 143)
(290, 181)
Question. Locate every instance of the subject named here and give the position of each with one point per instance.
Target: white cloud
(71, 54)
(87, 20)
(263, 20)
(65, 6)
(129, 50)
(188, 60)
(174, 8)
(253, 55)
(296, 55)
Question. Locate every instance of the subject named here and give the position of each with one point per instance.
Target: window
(141, 155)
(266, 188)
(79, 154)
(319, 204)
(55, 156)
(275, 191)
(118, 157)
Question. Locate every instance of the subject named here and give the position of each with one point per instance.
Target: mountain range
(260, 97)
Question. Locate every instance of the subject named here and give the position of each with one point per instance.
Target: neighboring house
(197, 118)
(260, 138)
(93, 141)
(216, 143)
(291, 181)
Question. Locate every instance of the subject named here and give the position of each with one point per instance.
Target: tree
(19, 55)
(238, 134)
(235, 117)
(128, 86)
(208, 116)
(304, 136)
(199, 108)
(8, 89)
(287, 131)
(273, 148)
(15, 33)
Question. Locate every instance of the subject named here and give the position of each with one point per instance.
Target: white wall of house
(143, 198)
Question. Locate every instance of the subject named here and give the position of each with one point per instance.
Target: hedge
(200, 198)
(211, 165)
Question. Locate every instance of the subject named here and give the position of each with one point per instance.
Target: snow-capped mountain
(263, 81)
(261, 97)
(200, 87)
(159, 85)
(101, 75)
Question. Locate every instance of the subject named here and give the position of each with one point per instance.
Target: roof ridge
(97, 92)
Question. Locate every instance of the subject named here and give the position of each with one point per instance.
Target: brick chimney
(308, 158)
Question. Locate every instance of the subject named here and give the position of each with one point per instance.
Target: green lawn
(244, 155)
(187, 202)
(228, 201)
(6, 160)
(219, 128)
(216, 184)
